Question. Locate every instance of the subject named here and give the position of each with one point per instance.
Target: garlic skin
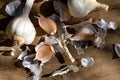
(86, 62)
(103, 24)
(81, 8)
(21, 25)
(11, 7)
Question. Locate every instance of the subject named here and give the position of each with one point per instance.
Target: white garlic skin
(11, 7)
(81, 8)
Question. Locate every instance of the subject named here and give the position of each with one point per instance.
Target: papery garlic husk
(85, 33)
(106, 24)
(21, 25)
(34, 67)
(81, 8)
(99, 42)
(117, 49)
(23, 53)
(86, 62)
(11, 7)
(62, 10)
(44, 52)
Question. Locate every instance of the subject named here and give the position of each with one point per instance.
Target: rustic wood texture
(105, 68)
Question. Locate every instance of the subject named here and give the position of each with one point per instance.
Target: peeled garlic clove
(86, 62)
(62, 10)
(81, 8)
(44, 52)
(117, 49)
(12, 7)
(48, 25)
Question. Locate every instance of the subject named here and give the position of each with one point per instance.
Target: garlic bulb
(44, 52)
(85, 33)
(81, 8)
(21, 26)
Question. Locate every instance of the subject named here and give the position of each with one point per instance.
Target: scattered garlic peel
(86, 62)
(106, 24)
(35, 68)
(117, 49)
(12, 7)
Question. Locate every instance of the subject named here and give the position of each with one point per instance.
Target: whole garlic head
(81, 8)
(22, 26)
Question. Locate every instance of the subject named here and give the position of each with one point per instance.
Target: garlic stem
(27, 8)
(67, 52)
(102, 6)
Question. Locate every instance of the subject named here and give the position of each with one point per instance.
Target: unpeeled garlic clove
(81, 8)
(44, 52)
(99, 42)
(48, 25)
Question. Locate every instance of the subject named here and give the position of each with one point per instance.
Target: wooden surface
(105, 68)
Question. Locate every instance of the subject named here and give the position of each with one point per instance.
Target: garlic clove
(44, 52)
(81, 8)
(48, 25)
